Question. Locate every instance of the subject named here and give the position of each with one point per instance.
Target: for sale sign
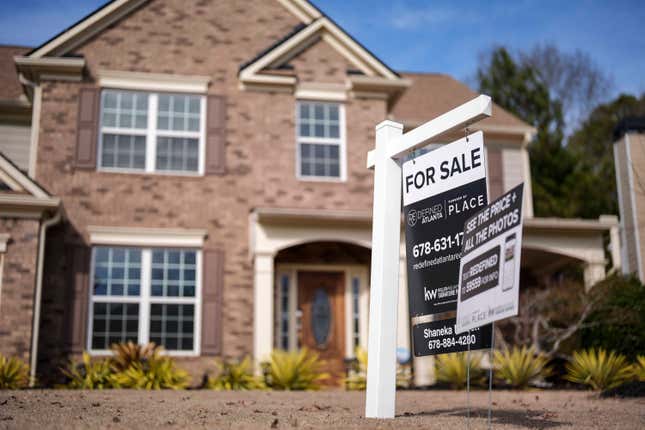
(441, 190)
(441, 337)
(490, 263)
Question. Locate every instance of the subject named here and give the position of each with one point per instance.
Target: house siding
(14, 142)
(212, 39)
(18, 282)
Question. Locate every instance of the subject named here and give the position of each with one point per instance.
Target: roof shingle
(432, 94)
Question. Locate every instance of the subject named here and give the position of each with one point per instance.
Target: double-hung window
(145, 295)
(320, 129)
(151, 132)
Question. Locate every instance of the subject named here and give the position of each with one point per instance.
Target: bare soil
(445, 410)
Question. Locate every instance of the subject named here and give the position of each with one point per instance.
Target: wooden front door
(322, 325)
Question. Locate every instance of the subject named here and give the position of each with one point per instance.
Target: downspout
(38, 295)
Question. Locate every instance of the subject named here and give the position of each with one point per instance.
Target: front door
(322, 324)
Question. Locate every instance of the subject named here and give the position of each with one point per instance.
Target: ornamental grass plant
(295, 370)
(14, 373)
(518, 367)
(599, 369)
(234, 375)
(452, 369)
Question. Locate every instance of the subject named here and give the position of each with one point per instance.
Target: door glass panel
(320, 317)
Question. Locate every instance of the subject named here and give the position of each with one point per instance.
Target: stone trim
(146, 237)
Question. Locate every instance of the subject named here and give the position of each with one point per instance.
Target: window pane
(173, 273)
(123, 151)
(116, 268)
(172, 325)
(321, 160)
(179, 112)
(177, 154)
(114, 322)
(124, 109)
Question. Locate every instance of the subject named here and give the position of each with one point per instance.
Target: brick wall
(17, 290)
(199, 38)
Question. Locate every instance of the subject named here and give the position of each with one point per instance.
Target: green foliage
(598, 369)
(517, 367)
(234, 376)
(357, 378)
(14, 373)
(129, 353)
(639, 368)
(131, 366)
(618, 320)
(89, 375)
(452, 369)
(300, 370)
(158, 372)
(571, 177)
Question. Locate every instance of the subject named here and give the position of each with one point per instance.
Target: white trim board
(150, 237)
(153, 81)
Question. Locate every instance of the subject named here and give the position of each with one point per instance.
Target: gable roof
(301, 38)
(20, 193)
(432, 94)
(93, 23)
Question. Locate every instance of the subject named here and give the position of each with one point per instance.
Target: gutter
(38, 295)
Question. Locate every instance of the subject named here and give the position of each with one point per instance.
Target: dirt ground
(446, 410)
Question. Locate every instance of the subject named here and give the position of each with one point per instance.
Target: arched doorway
(321, 300)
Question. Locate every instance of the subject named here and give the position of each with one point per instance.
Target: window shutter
(216, 135)
(212, 290)
(87, 131)
(77, 300)
(495, 173)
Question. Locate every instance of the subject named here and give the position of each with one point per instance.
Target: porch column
(594, 271)
(262, 306)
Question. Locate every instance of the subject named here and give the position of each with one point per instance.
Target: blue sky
(434, 36)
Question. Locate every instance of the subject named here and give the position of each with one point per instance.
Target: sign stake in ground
(391, 145)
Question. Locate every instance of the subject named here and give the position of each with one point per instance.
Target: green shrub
(452, 369)
(298, 370)
(234, 376)
(357, 378)
(618, 320)
(88, 374)
(129, 353)
(519, 366)
(14, 373)
(639, 368)
(598, 369)
(155, 373)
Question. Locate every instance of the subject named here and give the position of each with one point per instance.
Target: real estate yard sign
(490, 263)
(441, 189)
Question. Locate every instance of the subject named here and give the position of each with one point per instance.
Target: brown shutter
(77, 301)
(216, 135)
(495, 172)
(88, 119)
(212, 290)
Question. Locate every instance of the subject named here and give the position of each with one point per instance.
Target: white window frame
(145, 299)
(151, 133)
(341, 141)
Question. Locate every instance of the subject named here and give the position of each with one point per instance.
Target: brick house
(193, 174)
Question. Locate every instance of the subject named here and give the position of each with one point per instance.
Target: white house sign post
(391, 145)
